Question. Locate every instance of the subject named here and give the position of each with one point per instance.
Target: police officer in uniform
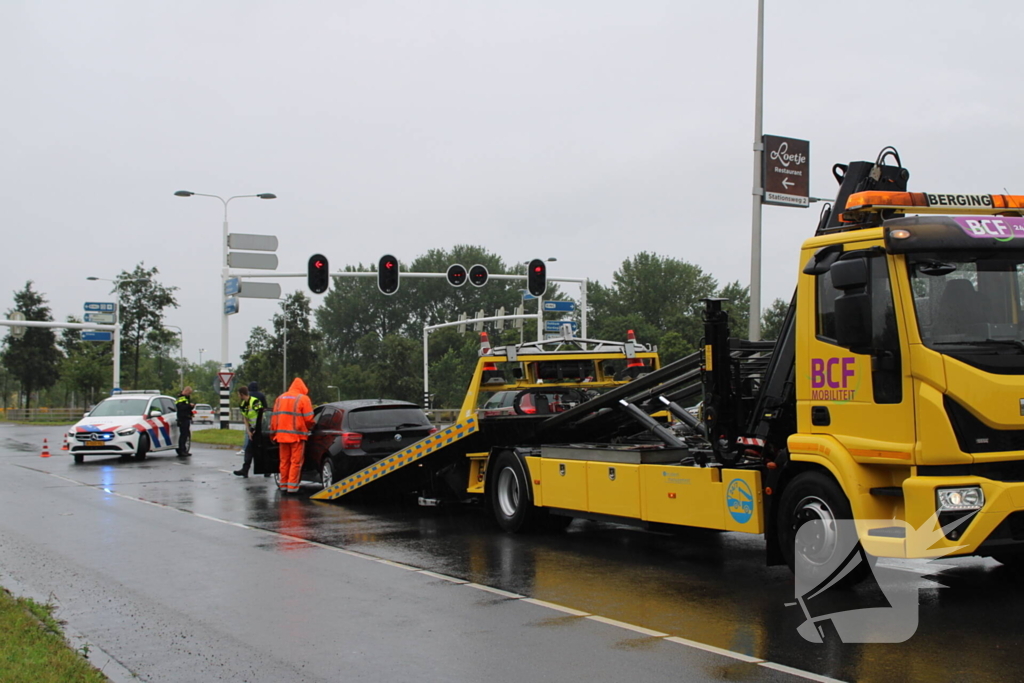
(252, 410)
(184, 407)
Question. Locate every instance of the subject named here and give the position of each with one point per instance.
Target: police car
(130, 423)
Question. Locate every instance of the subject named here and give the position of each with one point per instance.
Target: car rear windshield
(203, 406)
(386, 418)
(120, 408)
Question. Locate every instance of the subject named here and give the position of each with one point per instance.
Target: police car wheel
(79, 458)
(143, 448)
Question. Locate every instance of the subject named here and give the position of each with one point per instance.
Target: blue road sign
(556, 325)
(100, 306)
(564, 306)
(231, 286)
(96, 335)
(231, 305)
(527, 296)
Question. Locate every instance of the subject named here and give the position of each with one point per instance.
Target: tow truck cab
(910, 367)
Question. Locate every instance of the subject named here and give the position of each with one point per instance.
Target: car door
(319, 439)
(266, 459)
(171, 417)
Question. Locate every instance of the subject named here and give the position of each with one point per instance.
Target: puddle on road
(13, 445)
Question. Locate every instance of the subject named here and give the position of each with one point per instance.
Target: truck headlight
(960, 498)
(126, 432)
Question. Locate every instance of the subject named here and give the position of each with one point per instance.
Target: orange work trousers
(291, 455)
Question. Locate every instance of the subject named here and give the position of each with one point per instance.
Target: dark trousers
(250, 451)
(184, 434)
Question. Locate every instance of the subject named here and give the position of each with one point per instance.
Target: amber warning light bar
(929, 202)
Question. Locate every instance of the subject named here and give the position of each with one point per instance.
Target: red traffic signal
(387, 274)
(456, 275)
(478, 275)
(537, 277)
(318, 275)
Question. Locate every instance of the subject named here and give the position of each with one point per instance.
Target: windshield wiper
(411, 424)
(982, 342)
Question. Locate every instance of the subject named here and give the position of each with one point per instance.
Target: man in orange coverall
(289, 426)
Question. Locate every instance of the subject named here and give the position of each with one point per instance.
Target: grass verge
(33, 649)
(219, 437)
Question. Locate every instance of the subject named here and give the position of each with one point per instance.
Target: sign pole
(117, 359)
(757, 191)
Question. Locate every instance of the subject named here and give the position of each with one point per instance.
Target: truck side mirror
(853, 306)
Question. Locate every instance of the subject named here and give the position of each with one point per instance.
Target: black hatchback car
(351, 435)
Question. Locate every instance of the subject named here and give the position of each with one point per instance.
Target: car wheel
(816, 497)
(143, 448)
(79, 458)
(327, 474)
(510, 497)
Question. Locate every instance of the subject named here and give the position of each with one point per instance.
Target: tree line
(357, 342)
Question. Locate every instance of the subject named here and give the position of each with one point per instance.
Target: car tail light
(351, 439)
(433, 430)
(528, 410)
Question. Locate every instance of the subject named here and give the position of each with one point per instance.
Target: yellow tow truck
(894, 397)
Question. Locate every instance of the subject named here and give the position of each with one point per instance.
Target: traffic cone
(491, 373)
(634, 366)
(46, 450)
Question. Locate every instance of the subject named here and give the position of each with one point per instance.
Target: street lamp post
(201, 351)
(224, 273)
(181, 348)
(331, 386)
(116, 388)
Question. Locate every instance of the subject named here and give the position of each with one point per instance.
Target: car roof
(355, 404)
(122, 397)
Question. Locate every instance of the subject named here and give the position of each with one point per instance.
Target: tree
(738, 308)
(141, 304)
(34, 359)
(774, 316)
(86, 366)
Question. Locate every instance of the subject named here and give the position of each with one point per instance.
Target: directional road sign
(238, 240)
(17, 330)
(564, 306)
(96, 335)
(100, 306)
(231, 286)
(556, 325)
(260, 290)
(245, 259)
(787, 164)
(231, 305)
(99, 318)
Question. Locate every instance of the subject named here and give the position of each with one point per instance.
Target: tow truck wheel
(510, 498)
(816, 497)
(140, 452)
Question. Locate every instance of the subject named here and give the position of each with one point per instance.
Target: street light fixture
(201, 351)
(224, 273)
(331, 386)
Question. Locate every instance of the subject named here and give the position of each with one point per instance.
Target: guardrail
(42, 414)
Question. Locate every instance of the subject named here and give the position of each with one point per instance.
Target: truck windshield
(968, 299)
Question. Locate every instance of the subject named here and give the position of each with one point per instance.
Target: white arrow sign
(786, 182)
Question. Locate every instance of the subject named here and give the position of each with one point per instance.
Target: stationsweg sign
(786, 171)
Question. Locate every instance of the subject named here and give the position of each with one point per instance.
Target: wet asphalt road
(182, 572)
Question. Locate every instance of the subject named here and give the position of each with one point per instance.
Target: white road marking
(497, 591)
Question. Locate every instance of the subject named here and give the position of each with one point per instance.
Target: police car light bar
(930, 202)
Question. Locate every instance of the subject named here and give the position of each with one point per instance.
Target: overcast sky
(586, 130)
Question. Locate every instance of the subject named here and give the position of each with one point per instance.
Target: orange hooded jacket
(293, 414)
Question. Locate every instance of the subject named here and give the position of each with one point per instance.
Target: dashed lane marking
(782, 668)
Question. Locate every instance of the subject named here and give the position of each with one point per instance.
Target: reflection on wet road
(705, 586)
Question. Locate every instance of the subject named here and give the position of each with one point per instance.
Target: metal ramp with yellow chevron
(441, 441)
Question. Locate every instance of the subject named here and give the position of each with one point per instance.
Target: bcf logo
(832, 379)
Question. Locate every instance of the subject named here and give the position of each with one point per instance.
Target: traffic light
(456, 275)
(537, 277)
(387, 274)
(478, 275)
(318, 276)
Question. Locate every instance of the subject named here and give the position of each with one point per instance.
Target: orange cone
(46, 450)
(634, 365)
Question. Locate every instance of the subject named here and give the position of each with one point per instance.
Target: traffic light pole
(582, 282)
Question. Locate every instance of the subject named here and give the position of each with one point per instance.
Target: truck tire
(143, 447)
(510, 498)
(814, 496)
